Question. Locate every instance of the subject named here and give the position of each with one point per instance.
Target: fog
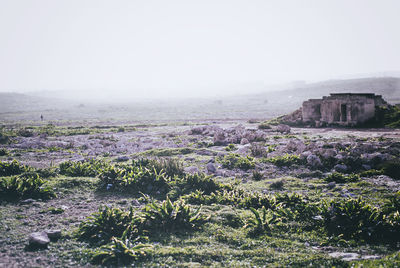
(118, 49)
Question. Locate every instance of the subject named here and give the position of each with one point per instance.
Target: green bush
(285, 160)
(89, 168)
(392, 169)
(26, 185)
(189, 183)
(232, 160)
(12, 168)
(3, 152)
(342, 178)
(135, 177)
(355, 219)
(119, 252)
(168, 216)
(262, 221)
(104, 224)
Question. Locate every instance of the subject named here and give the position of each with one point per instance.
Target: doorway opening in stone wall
(343, 112)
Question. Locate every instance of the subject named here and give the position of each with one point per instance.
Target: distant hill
(388, 87)
(266, 105)
(16, 102)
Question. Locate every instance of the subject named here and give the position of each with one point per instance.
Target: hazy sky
(160, 48)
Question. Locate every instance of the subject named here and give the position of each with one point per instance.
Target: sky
(156, 48)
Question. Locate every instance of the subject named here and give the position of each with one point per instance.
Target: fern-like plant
(262, 221)
(120, 252)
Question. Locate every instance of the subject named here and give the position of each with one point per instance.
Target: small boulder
(313, 161)
(122, 158)
(244, 141)
(191, 170)
(211, 168)
(283, 129)
(340, 168)
(53, 234)
(38, 239)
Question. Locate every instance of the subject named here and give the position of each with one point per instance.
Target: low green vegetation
(342, 178)
(286, 160)
(23, 186)
(232, 160)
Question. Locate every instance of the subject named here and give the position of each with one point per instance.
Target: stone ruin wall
(341, 109)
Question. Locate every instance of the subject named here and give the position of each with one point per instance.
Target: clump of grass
(257, 175)
(119, 252)
(342, 178)
(355, 219)
(24, 132)
(171, 166)
(190, 183)
(137, 178)
(232, 160)
(3, 152)
(285, 160)
(108, 222)
(12, 168)
(231, 147)
(26, 185)
(262, 221)
(257, 150)
(89, 168)
(277, 185)
(392, 169)
(171, 216)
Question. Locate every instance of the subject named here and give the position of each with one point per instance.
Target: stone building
(344, 109)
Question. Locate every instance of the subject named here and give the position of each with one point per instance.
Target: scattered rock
(27, 201)
(340, 168)
(122, 158)
(283, 129)
(331, 185)
(313, 161)
(244, 141)
(346, 256)
(38, 239)
(211, 168)
(191, 170)
(53, 234)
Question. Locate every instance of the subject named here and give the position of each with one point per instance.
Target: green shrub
(231, 147)
(353, 219)
(89, 168)
(371, 172)
(257, 175)
(285, 160)
(4, 138)
(104, 224)
(24, 132)
(342, 178)
(3, 152)
(392, 169)
(119, 252)
(171, 167)
(236, 161)
(262, 221)
(26, 185)
(277, 185)
(171, 216)
(189, 183)
(12, 168)
(136, 177)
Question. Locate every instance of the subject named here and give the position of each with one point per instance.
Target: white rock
(39, 239)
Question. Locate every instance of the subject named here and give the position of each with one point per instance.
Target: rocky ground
(212, 147)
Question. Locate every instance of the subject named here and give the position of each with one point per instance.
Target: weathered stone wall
(311, 110)
(341, 109)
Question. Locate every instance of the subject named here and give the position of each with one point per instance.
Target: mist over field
(207, 133)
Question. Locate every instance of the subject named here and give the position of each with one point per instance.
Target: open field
(330, 195)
